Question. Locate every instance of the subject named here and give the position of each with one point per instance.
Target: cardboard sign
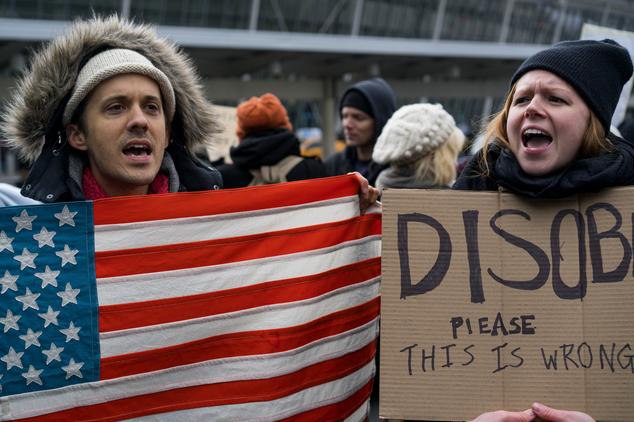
(492, 301)
(228, 118)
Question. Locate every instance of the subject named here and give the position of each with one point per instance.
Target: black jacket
(267, 149)
(383, 103)
(343, 163)
(57, 178)
(587, 175)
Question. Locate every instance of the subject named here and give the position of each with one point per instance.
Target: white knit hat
(117, 62)
(412, 132)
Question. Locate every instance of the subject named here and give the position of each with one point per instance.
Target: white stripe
(204, 373)
(195, 229)
(193, 281)
(275, 410)
(362, 412)
(268, 317)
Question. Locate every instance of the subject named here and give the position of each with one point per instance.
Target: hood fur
(53, 70)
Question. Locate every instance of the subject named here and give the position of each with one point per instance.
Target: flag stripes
(251, 304)
(139, 314)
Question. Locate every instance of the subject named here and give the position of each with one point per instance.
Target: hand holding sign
(555, 415)
(538, 410)
(503, 416)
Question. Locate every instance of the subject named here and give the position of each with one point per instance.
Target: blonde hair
(440, 164)
(594, 141)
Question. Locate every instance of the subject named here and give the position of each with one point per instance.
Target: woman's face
(546, 123)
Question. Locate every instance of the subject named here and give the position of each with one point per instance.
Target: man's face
(124, 133)
(358, 127)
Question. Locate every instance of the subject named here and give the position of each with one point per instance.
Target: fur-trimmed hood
(53, 70)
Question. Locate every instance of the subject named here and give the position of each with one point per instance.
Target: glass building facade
(511, 21)
(536, 23)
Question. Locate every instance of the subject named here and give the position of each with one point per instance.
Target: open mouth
(535, 139)
(137, 150)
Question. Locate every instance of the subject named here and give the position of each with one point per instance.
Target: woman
(421, 143)
(552, 140)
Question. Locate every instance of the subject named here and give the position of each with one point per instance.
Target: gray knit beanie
(114, 62)
(597, 70)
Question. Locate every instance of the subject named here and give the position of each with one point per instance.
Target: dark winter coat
(267, 149)
(343, 163)
(59, 178)
(587, 175)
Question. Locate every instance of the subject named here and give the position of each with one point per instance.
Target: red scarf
(92, 189)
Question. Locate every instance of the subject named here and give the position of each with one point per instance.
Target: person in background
(364, 108)
(109, 108)
(421, 144)
(268, 152)
(553, 140)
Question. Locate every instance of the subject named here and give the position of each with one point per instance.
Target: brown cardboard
(486, 372)
(228, 118)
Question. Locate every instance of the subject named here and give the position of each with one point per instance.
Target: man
(364, 108)
(159, 120)
(121, 112)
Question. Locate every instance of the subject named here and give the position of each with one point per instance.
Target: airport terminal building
(460, 53)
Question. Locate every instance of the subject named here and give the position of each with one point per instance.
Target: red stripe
(337, 411)
(194, 204)
(220, 394)
(249, 343)
(222, 251)
(132, 315)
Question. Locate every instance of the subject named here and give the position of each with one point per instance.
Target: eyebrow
(122, 97)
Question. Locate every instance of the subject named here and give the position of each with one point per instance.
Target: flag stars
(53, 353)
(47, 277)
(50, 317)
(27, 259)
(5, 242)
(67, 255)
(24, 221)
(11, 321)
(71, 332)
(12, 359)
(45, 238)
(29, 300)
(33, 375)
(8, 282)
(73, 369)
(69, 295)
(31, 338)
(66, 217)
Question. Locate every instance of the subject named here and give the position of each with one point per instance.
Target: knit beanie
(117, 62)
(259, 114)
(597, 70)
(357, 100)
(412, 132)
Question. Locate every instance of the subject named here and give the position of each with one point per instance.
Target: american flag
(254, 304)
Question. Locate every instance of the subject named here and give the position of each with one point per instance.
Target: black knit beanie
(356, 99)
(597, 70)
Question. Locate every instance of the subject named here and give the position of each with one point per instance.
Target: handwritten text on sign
(538, 292)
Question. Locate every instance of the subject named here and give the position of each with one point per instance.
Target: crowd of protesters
(122, 112)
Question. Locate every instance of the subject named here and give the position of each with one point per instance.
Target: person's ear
(76, 137)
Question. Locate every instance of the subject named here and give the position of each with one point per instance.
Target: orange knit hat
(260, 114)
